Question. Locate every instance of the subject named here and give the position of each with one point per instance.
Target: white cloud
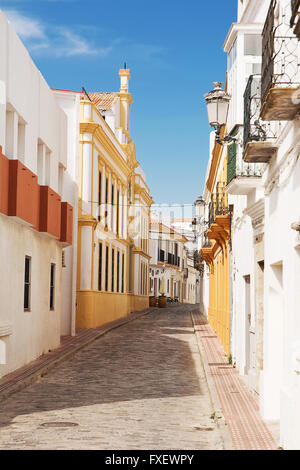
(70, 44)
(48, 40)
(27, 28)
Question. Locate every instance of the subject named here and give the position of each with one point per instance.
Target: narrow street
(140, 386)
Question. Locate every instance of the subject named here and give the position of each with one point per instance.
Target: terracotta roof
(102, 100)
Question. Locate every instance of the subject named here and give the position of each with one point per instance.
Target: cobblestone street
(141, 386)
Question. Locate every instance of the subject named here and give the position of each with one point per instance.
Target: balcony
(50, 212)
(24, 191)
(280, 64)
(259, 136)
(66, 226)
(207, 250)
(28, 203)
(218, 207)
(295, 18)
(219, 217)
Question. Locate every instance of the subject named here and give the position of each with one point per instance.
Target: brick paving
(139, 386)
(239, 406)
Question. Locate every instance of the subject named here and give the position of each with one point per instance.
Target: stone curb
(217, 409)
(22, 383)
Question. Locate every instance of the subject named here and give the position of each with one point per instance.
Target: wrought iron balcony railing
(255, 130)
(259, 136)
(206, 243)
(295, 7)
(219, 203)
(281, 54)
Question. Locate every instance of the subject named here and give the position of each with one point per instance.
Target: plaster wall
(33, 332)
(279, 379)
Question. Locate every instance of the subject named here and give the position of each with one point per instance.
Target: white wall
(32, 333)
(25, 94)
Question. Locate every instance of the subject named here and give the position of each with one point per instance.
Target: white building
(169, 262)
(244, 186)
(263, 184)
(188, 228)
(36, 210)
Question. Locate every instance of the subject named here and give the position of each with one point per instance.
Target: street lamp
(217, 102)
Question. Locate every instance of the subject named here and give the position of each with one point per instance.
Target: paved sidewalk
(22, 377)
(233, 399)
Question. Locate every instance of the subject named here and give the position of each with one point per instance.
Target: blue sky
(174, 51)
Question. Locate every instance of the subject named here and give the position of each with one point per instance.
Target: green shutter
(231, 162)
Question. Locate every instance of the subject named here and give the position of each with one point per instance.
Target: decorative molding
(281, 175)
(5, 329)
(257, 214)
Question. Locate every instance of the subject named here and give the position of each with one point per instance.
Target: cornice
(257, 214)
(138, 251)
(87, 221)
(235, 28)
(256, 210)
(103, 139)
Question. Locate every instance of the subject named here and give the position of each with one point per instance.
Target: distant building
(169, 262)
(188, 228)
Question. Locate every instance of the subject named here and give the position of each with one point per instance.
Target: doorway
(247, 280)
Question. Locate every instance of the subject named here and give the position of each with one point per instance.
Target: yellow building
(113, 212)
(216, 250)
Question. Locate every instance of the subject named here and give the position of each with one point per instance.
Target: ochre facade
(113, 212)
(217, 255)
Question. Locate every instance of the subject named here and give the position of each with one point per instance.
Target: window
(146, 280)
(253, 44)
(52, 286)
(123, 215)
(232, 56)
(142, 278)
(112, 207)
(118, 210)
(106, 268)
(27, 283)
(99, 195)
(112, 270)
(130, 283)
(123, 271)
(100, 267)
(118, 272)
(106, 201)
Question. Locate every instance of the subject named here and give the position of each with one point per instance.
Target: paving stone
(141, 386)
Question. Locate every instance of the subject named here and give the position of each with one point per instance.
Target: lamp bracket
(227, 140)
